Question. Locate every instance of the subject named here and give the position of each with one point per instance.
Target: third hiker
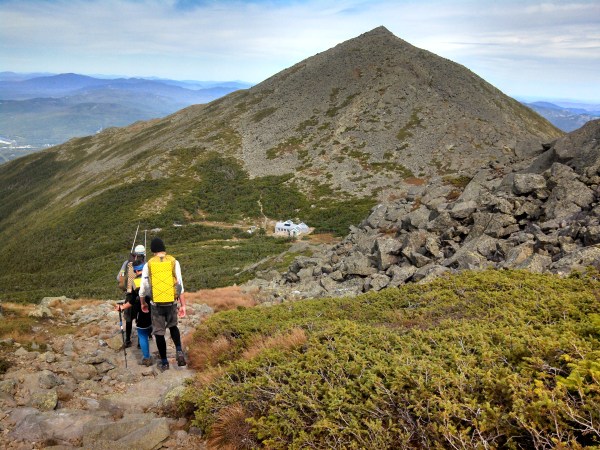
(129, 279)
(162, 285)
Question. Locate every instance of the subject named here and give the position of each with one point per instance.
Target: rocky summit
(542, 215)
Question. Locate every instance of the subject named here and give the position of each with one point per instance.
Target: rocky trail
(69, 387)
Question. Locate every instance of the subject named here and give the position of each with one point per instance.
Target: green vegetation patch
(413, 122)
(494, 359)
(263, 114)
(332, 112)
(460, 181)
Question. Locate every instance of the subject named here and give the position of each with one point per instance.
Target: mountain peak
(379, 31)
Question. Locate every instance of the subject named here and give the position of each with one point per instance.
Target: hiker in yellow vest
(162, 285)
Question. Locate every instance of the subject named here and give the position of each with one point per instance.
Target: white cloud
(253, 40)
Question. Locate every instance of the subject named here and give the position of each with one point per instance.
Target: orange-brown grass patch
(209, 375)
(74, 305)
(222, 299)
(294, 338)
(203, 354)
(453, 195)
(323, 238)
(231, 431)
(89, 330)
(415, 181)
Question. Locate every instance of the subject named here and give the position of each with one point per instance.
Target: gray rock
(8, 386)
(568, 197)
(492, 224)
(104, 367)
(536, 263)
(83, 371)
(416, 219)
(463, 209)
(329, 284)
(41, 312)
(64, 427)
(359, 264)
(376, 282)
(429, 273)
(387, 252)
(399, 275)
(148, 437)
(577, 260)
(518, 255)
(44, 400)
(109, 430)
(49, 380)
(442, 223)
(526, 183)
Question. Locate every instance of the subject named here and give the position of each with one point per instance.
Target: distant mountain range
(568, 116)
(41, 111)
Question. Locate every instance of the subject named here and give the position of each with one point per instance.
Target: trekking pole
(135, 237)
(122, 333)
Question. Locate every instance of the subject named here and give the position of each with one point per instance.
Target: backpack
(163, 280)
(122, 280)
(127, 278)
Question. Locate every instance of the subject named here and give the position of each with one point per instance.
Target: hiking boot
(162, 366)
(180, 358)
(128, 343)
(146, 362)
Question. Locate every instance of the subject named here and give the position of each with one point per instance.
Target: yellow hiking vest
(162, 279)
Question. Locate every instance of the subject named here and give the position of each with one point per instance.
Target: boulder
(463, 209)
(359, 264)
(376, 282)
(386, 249)
(399, 275)
(527, 183)
(65, 428)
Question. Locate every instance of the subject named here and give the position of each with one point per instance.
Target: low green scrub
(224, 178)
(77, 250)
(494, 359)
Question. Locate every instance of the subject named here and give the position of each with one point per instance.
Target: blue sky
(535, 49)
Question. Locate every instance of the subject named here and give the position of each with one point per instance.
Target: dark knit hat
(157, 245)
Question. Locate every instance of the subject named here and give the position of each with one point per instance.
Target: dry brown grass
(17, 324)
(231, 431)
(323, 238)
(89, 330)
(74, 305)
(293, 339)
(202, 355)
(415, 181)
(209, 375)
(222, 299)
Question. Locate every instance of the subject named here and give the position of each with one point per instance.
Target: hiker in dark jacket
(131, 272)
(143, 324)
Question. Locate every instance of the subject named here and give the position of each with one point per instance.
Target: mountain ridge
(324, 140)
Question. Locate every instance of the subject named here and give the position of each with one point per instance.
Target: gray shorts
(163, 317)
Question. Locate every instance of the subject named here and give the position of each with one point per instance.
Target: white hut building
(289, 228)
